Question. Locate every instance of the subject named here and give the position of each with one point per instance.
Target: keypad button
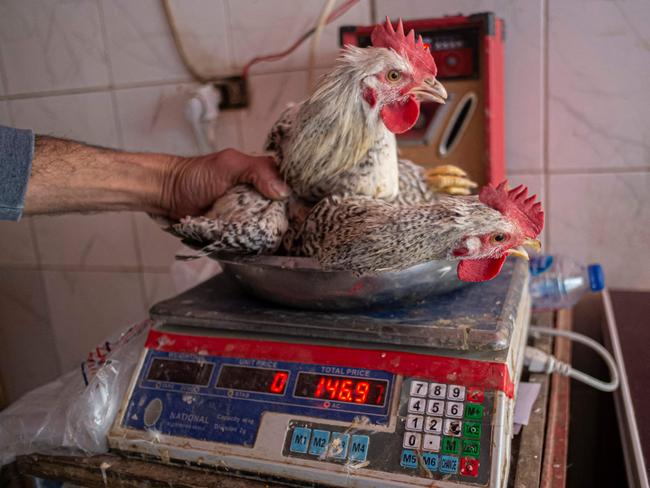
(359, 448)
(474, 411)
(300, 440)
(414, 422)
(338, 448)
(435, 407)
(412, 440)
(472, 430)
(417, 405)
(469, 467)
(430, 461)
(453, 427)
(431, 442)
(408, 459)
(433, 425)
(456, 392)
(319, 441)
(475, 395)
(450, 445)
(448, 464)
(437, 390)
(471, 448)
(419, 388)
(454, 409)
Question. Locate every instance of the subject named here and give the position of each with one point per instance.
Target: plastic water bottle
(559, 282)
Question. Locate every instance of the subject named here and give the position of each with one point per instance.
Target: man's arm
(68, 176)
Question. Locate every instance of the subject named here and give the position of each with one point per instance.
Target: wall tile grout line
(92, 268)
(545, 117)
(582, 171)
(139, 84)
(229, 37)
(231, 50)
(95, 89)
(3, 75)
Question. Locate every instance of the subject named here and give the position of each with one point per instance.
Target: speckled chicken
(366, 235)
(337, 150)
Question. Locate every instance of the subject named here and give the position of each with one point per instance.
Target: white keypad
(453, 427)
(414, 422)
(419, 388)
(412, 440)
(456, 392)
(437, 390)
(431, 442)
(417, 405)
(435, 407)
(433, 425)
(454, 409)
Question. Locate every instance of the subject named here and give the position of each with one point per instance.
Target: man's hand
(191, 185)
(68, 176)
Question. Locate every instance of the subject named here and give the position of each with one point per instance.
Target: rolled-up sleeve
(16, 153)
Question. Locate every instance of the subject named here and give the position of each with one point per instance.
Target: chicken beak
(430, 90)
(521, 252)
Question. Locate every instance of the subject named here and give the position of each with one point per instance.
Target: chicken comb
(416, 51)
(516, 205)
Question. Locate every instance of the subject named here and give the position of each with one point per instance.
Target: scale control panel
(443, 431)
(320, 416)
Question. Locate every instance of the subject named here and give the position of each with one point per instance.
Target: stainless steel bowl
(301, 283)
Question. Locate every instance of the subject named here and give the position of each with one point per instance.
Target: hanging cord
(315, 40)
(274, 57)
(539, 361)
(178, 42)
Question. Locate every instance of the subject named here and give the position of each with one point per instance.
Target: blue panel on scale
(177, 394)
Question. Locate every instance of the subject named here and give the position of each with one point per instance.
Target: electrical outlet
(234, 92)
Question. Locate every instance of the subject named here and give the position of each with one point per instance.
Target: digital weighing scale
(383, 398)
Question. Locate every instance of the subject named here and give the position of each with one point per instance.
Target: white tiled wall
(599, 135)
(28, 355)
(48, 46)
(598, 85)
(87, 307)
(107, 72)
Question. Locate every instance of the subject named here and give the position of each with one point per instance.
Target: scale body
(387, 408)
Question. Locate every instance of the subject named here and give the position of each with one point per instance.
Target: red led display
(252, 379)
(341, 389)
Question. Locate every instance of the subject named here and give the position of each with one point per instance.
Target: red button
(469, 467)
(475, 395)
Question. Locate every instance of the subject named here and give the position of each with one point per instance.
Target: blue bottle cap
(596, 277)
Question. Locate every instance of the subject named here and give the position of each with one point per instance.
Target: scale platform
(477, 317)
(406, 396)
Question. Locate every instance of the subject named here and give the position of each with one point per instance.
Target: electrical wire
(339, 11)
(178, 42)
(315, 40)
(539, 361)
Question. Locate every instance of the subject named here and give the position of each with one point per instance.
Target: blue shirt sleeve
(16, 153)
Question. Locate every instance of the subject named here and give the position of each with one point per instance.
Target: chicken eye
(393, 75)
(498, 237)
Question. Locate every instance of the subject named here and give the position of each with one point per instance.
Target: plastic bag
(75, 411)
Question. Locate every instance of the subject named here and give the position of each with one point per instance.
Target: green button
(450, 445)
(473, 411)
(472, 430)
(471, 448)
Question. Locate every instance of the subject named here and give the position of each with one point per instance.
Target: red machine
(468, 131)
